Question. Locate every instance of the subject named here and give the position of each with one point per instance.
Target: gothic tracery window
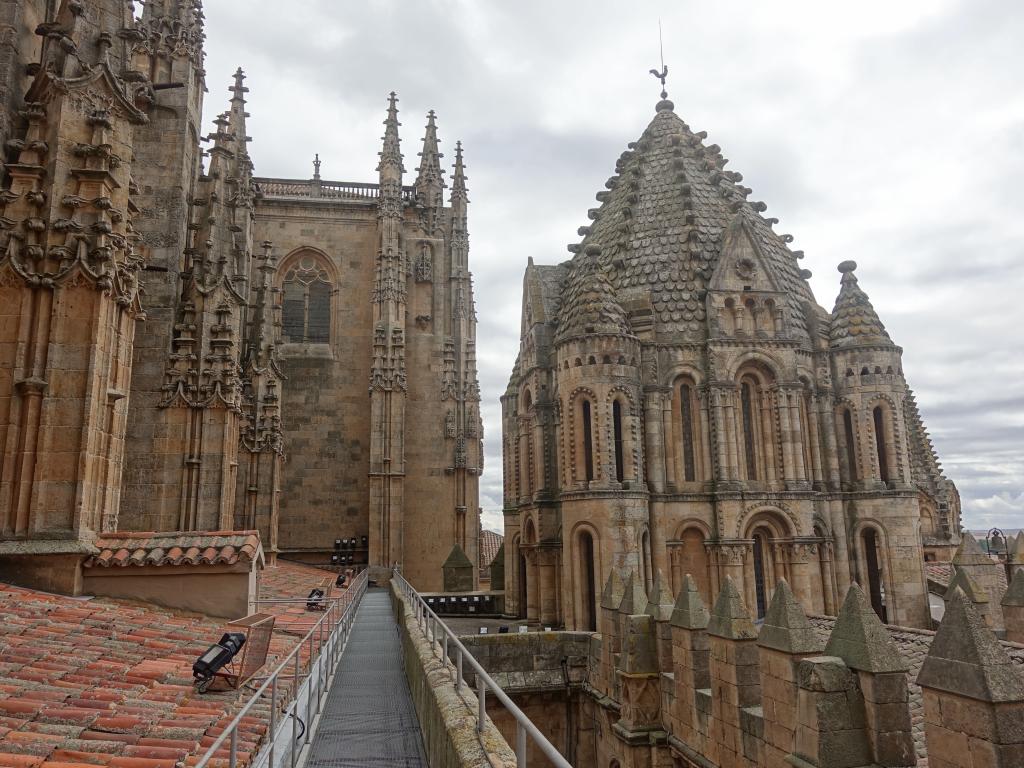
(306, 304)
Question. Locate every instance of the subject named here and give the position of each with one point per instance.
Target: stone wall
(683, 685)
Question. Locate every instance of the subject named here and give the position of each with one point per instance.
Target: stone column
(548, 603)
(973, 694)
(786, 438)
(735, 679)
(731, 437)
(803, 557)
(690, 659)
(827, 421)
(532, 586)
(786, 637)
(861, 640)
(1013, 609)
(830, 717)
(769, 445)
(797, 436)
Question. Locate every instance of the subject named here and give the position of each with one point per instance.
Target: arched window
(749, 436)
(588, 442)
(645, 561)
(851, 446)
(306, 303)
(686, 411)
(883, 454)
(588, 583)
(760, 588)
(873, 563)
(620, 464)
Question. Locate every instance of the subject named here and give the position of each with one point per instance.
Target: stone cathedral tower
(306, 367)
(681, 404)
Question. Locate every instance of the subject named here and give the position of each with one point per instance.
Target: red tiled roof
(124, 548)
(292, 581)
(109, 682)
(490, 542)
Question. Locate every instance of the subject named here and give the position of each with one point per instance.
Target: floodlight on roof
(216, 656)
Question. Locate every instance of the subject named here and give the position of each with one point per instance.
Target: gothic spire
(236, 122)
(430, 178)
(854, 320)
(390, 166)
(458, 195)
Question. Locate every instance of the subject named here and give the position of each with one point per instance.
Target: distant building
(681, 404)
(306, 367)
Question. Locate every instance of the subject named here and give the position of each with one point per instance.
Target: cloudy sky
(887, 132)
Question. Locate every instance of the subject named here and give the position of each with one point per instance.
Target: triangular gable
(741, 264)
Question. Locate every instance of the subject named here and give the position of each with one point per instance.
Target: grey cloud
(887, 133)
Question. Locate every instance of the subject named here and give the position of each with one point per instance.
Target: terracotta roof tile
(108, 682)
(490, 542)
(127, 548)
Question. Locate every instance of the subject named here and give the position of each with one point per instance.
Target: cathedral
(681, 404)
(187, 347)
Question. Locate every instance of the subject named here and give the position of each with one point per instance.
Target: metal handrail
(337, 621)
(429, 622)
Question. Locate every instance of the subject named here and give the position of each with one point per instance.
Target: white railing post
(520, 745)
(233, 761)
(273, 719)
(481, 693)
(458, 670)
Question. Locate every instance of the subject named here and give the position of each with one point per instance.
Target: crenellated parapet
(796, 691)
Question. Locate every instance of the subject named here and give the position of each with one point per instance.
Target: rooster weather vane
(664, 68)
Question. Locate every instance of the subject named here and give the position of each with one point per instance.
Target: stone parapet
(447, 717)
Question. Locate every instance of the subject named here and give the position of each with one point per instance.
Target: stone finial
(457, 571)
(786, 627)
(689, 611)
(969, 552)
(1014, 596)
(613, 591)
(634, 601)
(659, 600)
(729, 616)
(966, 659)
(1017, 549)
(860, 639)
(974, 591)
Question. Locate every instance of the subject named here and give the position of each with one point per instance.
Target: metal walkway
(368, 719)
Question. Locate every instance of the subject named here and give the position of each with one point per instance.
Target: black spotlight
(315, 600)
(364, 542)
(216, 657)
(340, 581)
(337, 543)
(335, 558)
(503, 629)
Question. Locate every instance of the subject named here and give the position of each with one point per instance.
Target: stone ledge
(447, 718)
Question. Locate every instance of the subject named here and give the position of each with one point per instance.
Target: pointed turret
(786, 627)
(236, 123)
(854, 320)
(689, 611)
(970, 553)
(634, 600)
(729, 616)
(430, 178)
(611, 596)
(860, 639)
(966, 659)
(659, 600)
(390, 167)
(458, 195)
(589, 305)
